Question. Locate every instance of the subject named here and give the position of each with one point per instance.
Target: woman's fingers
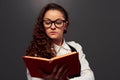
(55, 70)
(62, 72)
(58, 73)
(43, 73)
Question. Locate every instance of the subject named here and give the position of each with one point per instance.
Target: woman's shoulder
(74, 44)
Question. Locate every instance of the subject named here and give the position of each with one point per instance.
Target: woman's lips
(53, 33)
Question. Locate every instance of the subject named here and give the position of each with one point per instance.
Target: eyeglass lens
(57, 23)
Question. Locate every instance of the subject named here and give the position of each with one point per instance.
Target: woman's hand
(58, 73)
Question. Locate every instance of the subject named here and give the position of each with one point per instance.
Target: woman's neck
(58, 42)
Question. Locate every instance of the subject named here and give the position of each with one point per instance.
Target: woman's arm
(86, 72)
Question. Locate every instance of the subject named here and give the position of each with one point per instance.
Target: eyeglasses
(58, 23)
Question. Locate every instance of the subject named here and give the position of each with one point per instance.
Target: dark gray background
(95, 24)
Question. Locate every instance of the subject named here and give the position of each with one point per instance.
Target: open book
(69, 60)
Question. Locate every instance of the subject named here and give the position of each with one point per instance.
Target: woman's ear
(66, 25)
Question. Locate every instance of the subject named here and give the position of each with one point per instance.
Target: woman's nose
(53, 26)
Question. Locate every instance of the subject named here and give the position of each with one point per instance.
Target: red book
(69, 60)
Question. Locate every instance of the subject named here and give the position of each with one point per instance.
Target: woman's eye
(47, 22)
(58, 22)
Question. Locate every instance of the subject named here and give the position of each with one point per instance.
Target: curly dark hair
(41, 45)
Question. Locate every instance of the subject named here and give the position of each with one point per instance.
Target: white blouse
(86, 72)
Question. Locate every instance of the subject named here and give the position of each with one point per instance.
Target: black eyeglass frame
(64, 21)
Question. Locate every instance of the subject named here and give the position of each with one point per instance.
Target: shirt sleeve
(86, 72)
(32, 78)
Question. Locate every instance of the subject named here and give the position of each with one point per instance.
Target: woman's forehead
(54, 14)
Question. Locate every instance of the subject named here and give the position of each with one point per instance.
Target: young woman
(48, 41)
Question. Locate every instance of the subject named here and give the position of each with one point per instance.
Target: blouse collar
(64, 46)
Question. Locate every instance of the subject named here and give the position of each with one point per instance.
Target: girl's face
(54, 24)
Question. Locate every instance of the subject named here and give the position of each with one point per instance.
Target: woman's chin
(53, 37)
